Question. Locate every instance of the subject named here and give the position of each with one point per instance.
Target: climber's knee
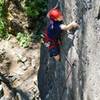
(57, 57)
(55, 53)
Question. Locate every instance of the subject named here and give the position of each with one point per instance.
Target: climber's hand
(71, 26)
(75, 25)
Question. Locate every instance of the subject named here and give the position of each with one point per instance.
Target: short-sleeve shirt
(54, 29)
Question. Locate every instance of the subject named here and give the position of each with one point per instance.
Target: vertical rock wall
(80, 58)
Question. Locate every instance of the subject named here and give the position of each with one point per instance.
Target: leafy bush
(3, 32)
(35, 8)
(24, 39)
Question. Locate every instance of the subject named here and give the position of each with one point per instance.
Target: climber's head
(55, 15)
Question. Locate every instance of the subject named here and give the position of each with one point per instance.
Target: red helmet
(53, 14)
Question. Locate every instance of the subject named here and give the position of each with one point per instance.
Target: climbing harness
(49, 42)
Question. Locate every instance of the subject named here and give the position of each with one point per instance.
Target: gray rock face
(80, 57)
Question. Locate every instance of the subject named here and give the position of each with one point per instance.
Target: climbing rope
(70, 65)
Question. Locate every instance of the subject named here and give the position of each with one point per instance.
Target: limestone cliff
(80, 56)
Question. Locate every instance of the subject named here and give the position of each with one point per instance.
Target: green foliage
(3, 32)
(35, 8)
(36, 37)
(1, 2)
(2, 29)
(24, 39)
(38, 32)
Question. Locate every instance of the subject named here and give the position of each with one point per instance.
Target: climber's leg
(55, 52)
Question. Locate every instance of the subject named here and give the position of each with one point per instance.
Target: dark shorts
(54, 51)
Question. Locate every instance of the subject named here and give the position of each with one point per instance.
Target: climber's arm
(69, 26)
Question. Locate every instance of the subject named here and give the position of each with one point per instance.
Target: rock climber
(54, 30)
